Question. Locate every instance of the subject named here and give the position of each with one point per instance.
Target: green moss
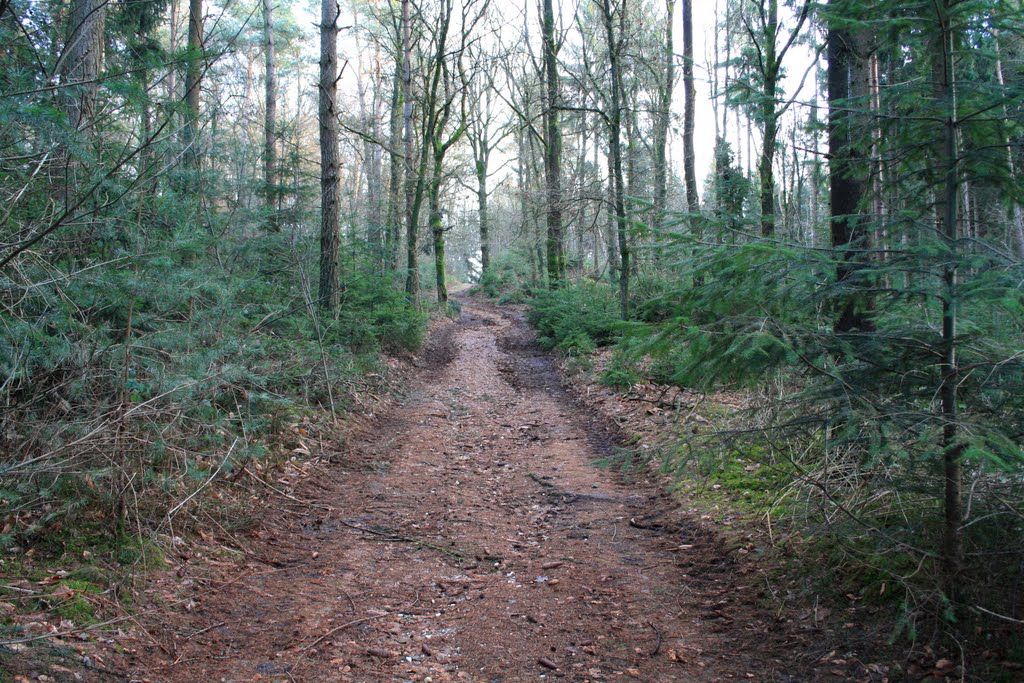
(78, 610)
(142, 553)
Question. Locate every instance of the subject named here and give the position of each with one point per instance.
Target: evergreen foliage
(577, 318)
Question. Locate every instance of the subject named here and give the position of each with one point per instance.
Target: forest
(232, 226)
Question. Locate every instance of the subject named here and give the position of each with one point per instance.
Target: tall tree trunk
(330, 226)
(1016, 231)
(393, 236)
(80, 66)
(437, 229)
(770, 59)
(412, 276)
(615, 153)
(692, 198)
(552, 151)
(725, 76)
(848, 95)
(270, 182)
(947, 195)
(172, 70)
(769, 117)
(370, 115)
(82, 61)
(611, 228)
(766, 175)
(193, 82)
(482, 157)
(522, 182)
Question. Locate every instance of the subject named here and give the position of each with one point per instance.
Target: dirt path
(471, 538)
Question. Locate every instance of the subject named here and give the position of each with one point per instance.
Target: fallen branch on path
(394, 537)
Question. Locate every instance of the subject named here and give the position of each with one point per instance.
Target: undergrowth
(184, 365)
(834, 455)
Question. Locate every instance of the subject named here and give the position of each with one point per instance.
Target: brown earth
(469, 536)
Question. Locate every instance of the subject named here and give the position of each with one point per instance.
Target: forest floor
(467, 534)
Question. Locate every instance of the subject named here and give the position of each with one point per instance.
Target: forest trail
(472, 538)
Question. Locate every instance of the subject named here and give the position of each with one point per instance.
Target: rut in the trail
(471, 538)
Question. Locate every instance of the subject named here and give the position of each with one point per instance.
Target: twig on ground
(657, 646)
(204, 630)
(344, 626)
(390, 535)
(170, 513)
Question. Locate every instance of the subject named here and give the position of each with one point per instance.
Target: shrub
(579, 317)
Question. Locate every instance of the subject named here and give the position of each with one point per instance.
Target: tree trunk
(947, 196)
(526, 229)
(330, 227)
(611, 226)
(393, 235)
(412, 276)
(1016, 232)
(552, 151)
(766, 162)
(692, 198)
(482, 156)
(80, 66)
(372, 168)
(172, 70)
(193, 82)
(82, 61)
(849, 169)
(270, 182)
(437, 230)
(615, 152)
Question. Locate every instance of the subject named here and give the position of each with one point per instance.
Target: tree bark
(663, 117)
(848, 129)
(82, 61)
(615, 152)
(270, 182)
(437, 229)
(80, 66)
(330, 227)
(193, 83)
(393, 234)
(552, 151)
(947, 209)
(412, 275)
(689, 157)
(481, 164)
(1016, 232)
(372, 166)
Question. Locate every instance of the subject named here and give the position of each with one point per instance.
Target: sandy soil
(469, 536)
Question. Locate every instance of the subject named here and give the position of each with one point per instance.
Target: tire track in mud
(471, 538)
